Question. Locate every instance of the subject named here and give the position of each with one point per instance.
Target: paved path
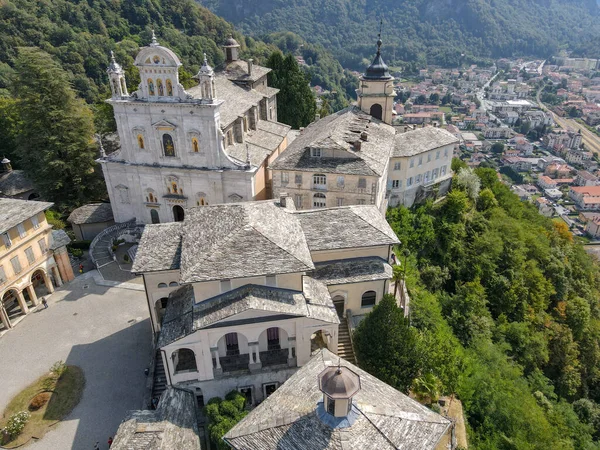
(104, 330)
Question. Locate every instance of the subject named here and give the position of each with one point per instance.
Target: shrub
(59, 368)
(83, 245)
(126, 258)
(54, 219)
(15, 424)
(76, 252)
(39, 401)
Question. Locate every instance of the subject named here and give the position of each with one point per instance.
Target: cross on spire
(154, 42)
(379, 42)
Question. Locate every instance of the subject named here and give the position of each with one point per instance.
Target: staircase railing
(104, 233)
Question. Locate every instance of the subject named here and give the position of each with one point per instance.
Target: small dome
(339, 382)
(5, 160)
(114, 66)
(378, 70)
(205, 69)
(231, 42)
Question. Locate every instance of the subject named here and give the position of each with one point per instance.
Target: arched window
(319, 181)
(195, 145)
(150, 86)
(231, 344)
(319, 200)
(151, 197)
(162, 285)
(184, 359)
(376, 111)
(154, 216)
(174, 187)
(123, 86)
(173, 284)
(273, 339)
(368, 299)
(140, 140)
(169, 88)
(168, 145)
(159, 86)
(201, 199)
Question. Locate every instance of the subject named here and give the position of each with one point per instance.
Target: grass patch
(49, 399)
(446, 109)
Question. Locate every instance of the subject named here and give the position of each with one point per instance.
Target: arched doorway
(38, 280)
(319, 340)
(338, 302)
(178, 213)
(233, 352)
(274, 347)
(10, 301)
(376, 111)
(184, 360)
(154, 216)
(160, 307)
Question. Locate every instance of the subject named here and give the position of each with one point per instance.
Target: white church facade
(180, 148)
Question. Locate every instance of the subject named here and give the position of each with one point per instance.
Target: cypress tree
(55, 140)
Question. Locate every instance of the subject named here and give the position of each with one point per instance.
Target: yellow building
(28, 266)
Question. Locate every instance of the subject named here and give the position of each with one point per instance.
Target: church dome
(378, 70)
(339, 382)
(231, 42)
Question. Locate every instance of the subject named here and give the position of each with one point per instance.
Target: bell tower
(206, 81)
(376, 92)
(117, 78)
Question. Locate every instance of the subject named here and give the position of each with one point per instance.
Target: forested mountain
(437, 31)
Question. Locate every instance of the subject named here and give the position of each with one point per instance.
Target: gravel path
(105, 331)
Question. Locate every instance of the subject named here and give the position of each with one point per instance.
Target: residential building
(537, 119)
(544, 207)
(89, 220)
(332, 404)
(585, 178)
(498, 133)
(557, 170)
(341, 159)
(563, 140)
(179, 148)
(576, 156)
(517, 163)
(586, 197)
(15, 183)
(592, 227)
(421, 161)
(30, 264)
(241, 293)
(553, 193)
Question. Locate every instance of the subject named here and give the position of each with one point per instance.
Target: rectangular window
(319, 180)
(298, 201)
(412, 162)
(271, 280)
(434, 174)
(16, 265)
(21, 230)
(285, 178)
(361, 201)
(420, 160)
(362, 183)
(437, 155)
(427, 176)
(6, 240)
(315, 152)
(409, 182)
(443, 170)
(298, 178)
(340, 182)
(418, 179)
(30, 255)
(42, 244)
(225, 285)
(395, 184)
(445, 152)
(397, 165)
(340, 202)
(428, 157)
(35, 222)
(2, 275)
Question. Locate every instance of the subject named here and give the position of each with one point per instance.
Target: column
(48, 283)
(4, 318)
(32, 295)
(22, 303)
(257, 359)
(255, 363)
(56, 274)
(218, 370)
(291, 345)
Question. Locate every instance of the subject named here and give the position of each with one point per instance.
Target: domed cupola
(232, 49)
(378, 70)
(338, 384)
(116, 74)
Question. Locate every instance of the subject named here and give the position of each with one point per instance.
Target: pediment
(164, 125)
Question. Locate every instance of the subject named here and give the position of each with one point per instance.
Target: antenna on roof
(247, 155)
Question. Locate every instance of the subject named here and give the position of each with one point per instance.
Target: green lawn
(62, 395)
(446, 109)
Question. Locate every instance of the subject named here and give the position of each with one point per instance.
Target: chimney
(405, 128)
(250, 64)
(357, 145)
(364, 136)
(6, 167)
(283, 198)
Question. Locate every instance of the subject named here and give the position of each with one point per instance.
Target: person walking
(109, 441)
(44, 302)
(80, 268)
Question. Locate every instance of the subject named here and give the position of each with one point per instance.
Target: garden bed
(47, 401)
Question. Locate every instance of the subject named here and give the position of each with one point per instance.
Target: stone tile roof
(13, 211)
(353, 270)
(91, 213)
(260, 143)
(159, 248)
(172, 426)
(238, 71)
(241, 240)
(60, 238)
(14, 183)
(183, 316)
(346, 227)
(337, 133)
(385, 418)
(422, 140)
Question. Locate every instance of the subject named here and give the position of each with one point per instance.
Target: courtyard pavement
(105, 331)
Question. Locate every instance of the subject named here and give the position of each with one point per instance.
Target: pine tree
(296, 105)
(55, 141)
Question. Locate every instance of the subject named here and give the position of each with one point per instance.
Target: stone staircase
(100, 248)
(160, 377)
(345, 349)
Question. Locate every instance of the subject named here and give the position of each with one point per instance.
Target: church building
(180, 148)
